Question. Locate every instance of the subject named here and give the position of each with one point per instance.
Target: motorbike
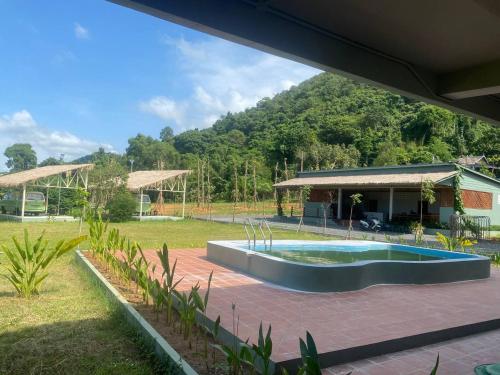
(370, 224)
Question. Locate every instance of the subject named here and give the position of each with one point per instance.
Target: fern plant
(29, 261)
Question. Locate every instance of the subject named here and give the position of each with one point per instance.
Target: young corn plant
(142, 278)
(201, 305)
(130, 254)
(97, 231)
(310, 358)
(158, 296)
(264, 349)
(435, 368)
(495, 259)
(29, 261)
(237, 354)
(168, 281)
(454, 243)
(187, 312)
(215, 333)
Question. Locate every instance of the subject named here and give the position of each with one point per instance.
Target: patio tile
(342, 320)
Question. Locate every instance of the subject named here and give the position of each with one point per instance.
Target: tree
(355, 199)
(20, 156)
(167, 134)
(50, 161)
(106, 179)
(121, 206)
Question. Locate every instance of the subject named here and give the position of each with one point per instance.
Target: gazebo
(65, 176)
(173, 181)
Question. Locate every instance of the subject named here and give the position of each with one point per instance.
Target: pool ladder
(261, 224)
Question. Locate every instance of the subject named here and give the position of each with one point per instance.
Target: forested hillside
(325, 122)
(332, 122)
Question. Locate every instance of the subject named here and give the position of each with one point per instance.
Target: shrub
(121, 207)
(29, 261)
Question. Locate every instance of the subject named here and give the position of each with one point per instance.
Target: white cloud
(164, 108)
(226, 77)
(81, 32)
(20, 127)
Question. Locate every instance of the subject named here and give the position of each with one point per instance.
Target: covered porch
(393, 204)
(389, 195)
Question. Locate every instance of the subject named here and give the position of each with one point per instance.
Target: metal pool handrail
(248, 235)
(263, 235)
(270, 234)
(254, 233)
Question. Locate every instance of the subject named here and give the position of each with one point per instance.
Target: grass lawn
(70, 328)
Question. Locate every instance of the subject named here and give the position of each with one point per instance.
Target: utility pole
(131, 165)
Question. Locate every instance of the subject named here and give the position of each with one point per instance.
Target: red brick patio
(337, 320)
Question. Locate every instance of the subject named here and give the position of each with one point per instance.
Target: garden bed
(191, 360)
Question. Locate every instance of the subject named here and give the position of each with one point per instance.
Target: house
(392, 193)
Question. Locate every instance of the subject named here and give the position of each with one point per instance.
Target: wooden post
(140, 204)
(23, 203)
(184, 196)
(245, 198)
(254, 186)
(286, 178)
(198, 184)
(47, 202)
(276, 167)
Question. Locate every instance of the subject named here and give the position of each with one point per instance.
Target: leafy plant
(130, 254)
(495, 259)
(435, 368)
(202, 304)
(453, 243)
(237, 354)
(264, 349)
(158, 296)
(29, 261)
(97, 231)
(309, 355)
(121, 207)
(168, 280)
(187, 311)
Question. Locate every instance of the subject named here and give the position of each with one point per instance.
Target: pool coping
(162, 348)
(347, 276)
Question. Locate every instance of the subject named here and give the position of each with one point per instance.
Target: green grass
(178, 234)
(70, 328)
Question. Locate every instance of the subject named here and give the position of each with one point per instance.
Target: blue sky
(79, 74)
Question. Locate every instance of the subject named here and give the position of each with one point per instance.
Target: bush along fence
(185, 311)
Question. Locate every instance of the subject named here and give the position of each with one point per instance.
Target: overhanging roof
(148, 179)
(381, 179)
(445, 52)
(31, 175)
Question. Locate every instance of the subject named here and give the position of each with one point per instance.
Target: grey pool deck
(343, 321)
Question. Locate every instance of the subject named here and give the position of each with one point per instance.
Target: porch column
(391, 199)
(339, 204)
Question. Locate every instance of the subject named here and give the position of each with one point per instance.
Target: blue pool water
(335, 252)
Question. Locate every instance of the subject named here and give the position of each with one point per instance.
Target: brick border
(162, 348)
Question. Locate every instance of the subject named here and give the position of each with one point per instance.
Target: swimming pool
(323, 266)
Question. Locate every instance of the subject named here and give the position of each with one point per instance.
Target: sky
(82, 74)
